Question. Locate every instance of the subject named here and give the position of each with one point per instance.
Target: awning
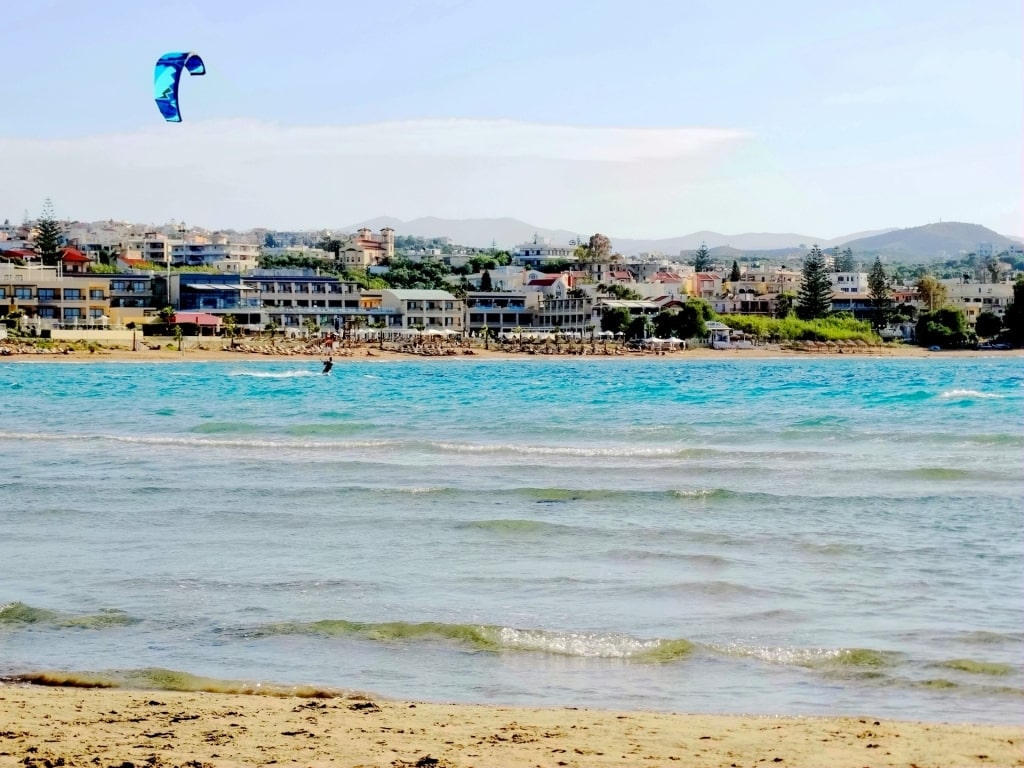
(195, 318)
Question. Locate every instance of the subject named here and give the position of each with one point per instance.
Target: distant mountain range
(931, 241)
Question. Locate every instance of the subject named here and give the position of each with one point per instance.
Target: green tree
(702, 259)
(945, 327)
(599, 249)
(332, 245)
(878, 292)
(691, 318)
(166, 315)
(49, 236)
(640, 327)
(784, 305)
(229, 327)
(486, 283)
(814, 298)
(701, 307)
(844, 261)
(988, 325)
(735, 276)
(1013, 318)
(423, 275)
(619, 291)
(616, 319)
(931, 291)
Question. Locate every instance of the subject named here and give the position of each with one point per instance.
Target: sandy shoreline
(53, 726)
(212, 350)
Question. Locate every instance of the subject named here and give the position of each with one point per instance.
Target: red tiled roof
(74, 256)
(21, 253)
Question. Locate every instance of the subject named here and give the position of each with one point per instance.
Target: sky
(639, 119)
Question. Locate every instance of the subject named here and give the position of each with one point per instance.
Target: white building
(218, 253)
(974, 298)
(541, 251)
(849, 282)
(430, 309)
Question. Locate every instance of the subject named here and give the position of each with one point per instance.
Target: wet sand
(55, 726)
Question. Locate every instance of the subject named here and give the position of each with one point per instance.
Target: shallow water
(776, 536)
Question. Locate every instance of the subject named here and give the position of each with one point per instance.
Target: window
(47, 312)
(118, 285)
(95, 313)
(47, 294)
(73, 294)
(138, 286)
(97, 294)
(72, 313)
(23, 293)
(3, 293)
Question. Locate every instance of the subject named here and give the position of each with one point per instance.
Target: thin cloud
(426, 138)
(240, 173)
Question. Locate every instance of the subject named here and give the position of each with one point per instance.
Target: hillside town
(108, 280)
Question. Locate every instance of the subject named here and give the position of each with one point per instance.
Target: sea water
(790, 536)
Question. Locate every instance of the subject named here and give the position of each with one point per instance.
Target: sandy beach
(216, 349)
(54, 726)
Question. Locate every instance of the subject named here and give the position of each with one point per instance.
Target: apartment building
(219, 253)
(429, 309)
(47, 296)
(500, 311)
(974, 298)
(540, 252)
(290, 298)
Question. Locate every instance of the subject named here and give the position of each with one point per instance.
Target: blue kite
(165, 81)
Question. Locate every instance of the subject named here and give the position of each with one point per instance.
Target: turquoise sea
(819, 536)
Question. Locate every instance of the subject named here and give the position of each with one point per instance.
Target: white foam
(963, 394)
(275, 374)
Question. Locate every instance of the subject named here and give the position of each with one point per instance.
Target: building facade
(219, 253)
(426, 309)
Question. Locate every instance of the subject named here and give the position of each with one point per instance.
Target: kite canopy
(165, 81)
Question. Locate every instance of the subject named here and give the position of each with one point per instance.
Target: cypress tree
(702, 259)
(878, 291)
(844, 261)
(49, 236)
(814, 298)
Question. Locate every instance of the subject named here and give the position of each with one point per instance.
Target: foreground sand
(48, 727)
(215, 350)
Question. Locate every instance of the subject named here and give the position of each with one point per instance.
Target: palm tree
(229, 327)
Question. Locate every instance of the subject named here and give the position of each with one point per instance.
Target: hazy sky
(638, 118)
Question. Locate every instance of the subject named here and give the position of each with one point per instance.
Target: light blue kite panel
(166, 78)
